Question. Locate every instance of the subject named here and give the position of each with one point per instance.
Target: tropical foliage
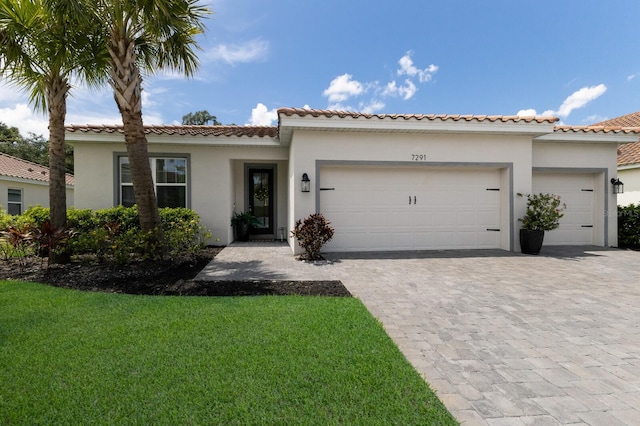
(108, 234)
(629, 226)
(544, 212)
(312, 234)
(43, 45)
(146, 36)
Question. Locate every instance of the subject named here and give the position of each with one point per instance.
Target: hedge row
(629, 226)
(115, 233)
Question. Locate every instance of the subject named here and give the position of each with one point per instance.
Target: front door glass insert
(260, 199)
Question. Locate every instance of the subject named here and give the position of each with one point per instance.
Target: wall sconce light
(618, 186)
(306, 183)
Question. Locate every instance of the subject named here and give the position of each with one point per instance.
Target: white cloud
(250, 51)
(407, 68)
(595, 118)
(407, 91)
(578, 99)
(371, 107)
(261, 116)
(632, 76)
(342, 88)
(527, 112)
(23, 117)
(345, 87)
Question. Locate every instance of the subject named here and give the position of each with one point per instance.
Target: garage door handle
(327, 189)
(409, 199)
(586, 226)
(493, 229)
(415, 200)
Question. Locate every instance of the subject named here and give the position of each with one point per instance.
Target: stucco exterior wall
(33, 193)
(631, 179)
(310, 148)
(215, 178)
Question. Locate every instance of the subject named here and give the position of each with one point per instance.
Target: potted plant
(544, 212)
(242, 223)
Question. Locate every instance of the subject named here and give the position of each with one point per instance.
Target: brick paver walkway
(504, 338)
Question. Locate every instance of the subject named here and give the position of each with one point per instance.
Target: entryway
(260, 199)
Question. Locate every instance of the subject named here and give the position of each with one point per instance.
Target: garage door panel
(404, 208)
(577, 192)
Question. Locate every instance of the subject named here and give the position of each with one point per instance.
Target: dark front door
(261, 199)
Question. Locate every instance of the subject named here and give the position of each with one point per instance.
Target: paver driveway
(503, 338)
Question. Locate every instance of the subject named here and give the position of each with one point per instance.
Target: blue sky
(576, 59)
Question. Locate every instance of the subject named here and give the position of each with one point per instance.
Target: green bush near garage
(629, 226)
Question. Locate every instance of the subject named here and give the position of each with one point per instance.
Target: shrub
(183, 232)
(629, 226)
(544, 212)
(125, 217)
(16, 242)
(36, 215)
(312, 233)
(110, 233)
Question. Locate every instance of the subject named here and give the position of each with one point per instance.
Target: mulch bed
(172, 277)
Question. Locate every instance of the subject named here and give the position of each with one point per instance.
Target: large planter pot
(531, 241)
(242, 231)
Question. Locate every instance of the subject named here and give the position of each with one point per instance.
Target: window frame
(20, 203)
(153, 157)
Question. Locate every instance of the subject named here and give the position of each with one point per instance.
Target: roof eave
(290, 123)
(588, 137)
(198, 140)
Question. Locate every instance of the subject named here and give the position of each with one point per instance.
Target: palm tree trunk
(143, 188)
(57, 104)
(127, 88)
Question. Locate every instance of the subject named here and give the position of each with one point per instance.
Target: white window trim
(20, 203)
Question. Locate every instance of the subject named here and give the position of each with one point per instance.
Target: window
(14, 201)
(169, 177)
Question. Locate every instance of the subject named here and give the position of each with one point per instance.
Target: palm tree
(44, 43)
(146, 35)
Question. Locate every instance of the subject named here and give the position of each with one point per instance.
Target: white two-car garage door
(410, 208)
(578, 192)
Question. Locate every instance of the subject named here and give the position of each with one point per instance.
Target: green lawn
(69, 357)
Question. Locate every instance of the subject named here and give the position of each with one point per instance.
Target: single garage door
(577, 191)
(410, 208)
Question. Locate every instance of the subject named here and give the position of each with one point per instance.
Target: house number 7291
(418, 157)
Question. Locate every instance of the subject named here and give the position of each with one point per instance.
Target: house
(24, 184)
(628, 159)
(386, 182)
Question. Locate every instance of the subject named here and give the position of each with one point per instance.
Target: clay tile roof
(629, 153)
(629, 120)
(19, 168)
(301, 112)
(239, 131)
(592, 128)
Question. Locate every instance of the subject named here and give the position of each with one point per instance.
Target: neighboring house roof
(628, 154)
(18, 168)
(247, 131)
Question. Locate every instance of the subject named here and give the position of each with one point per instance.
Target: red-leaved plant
(312, 233)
